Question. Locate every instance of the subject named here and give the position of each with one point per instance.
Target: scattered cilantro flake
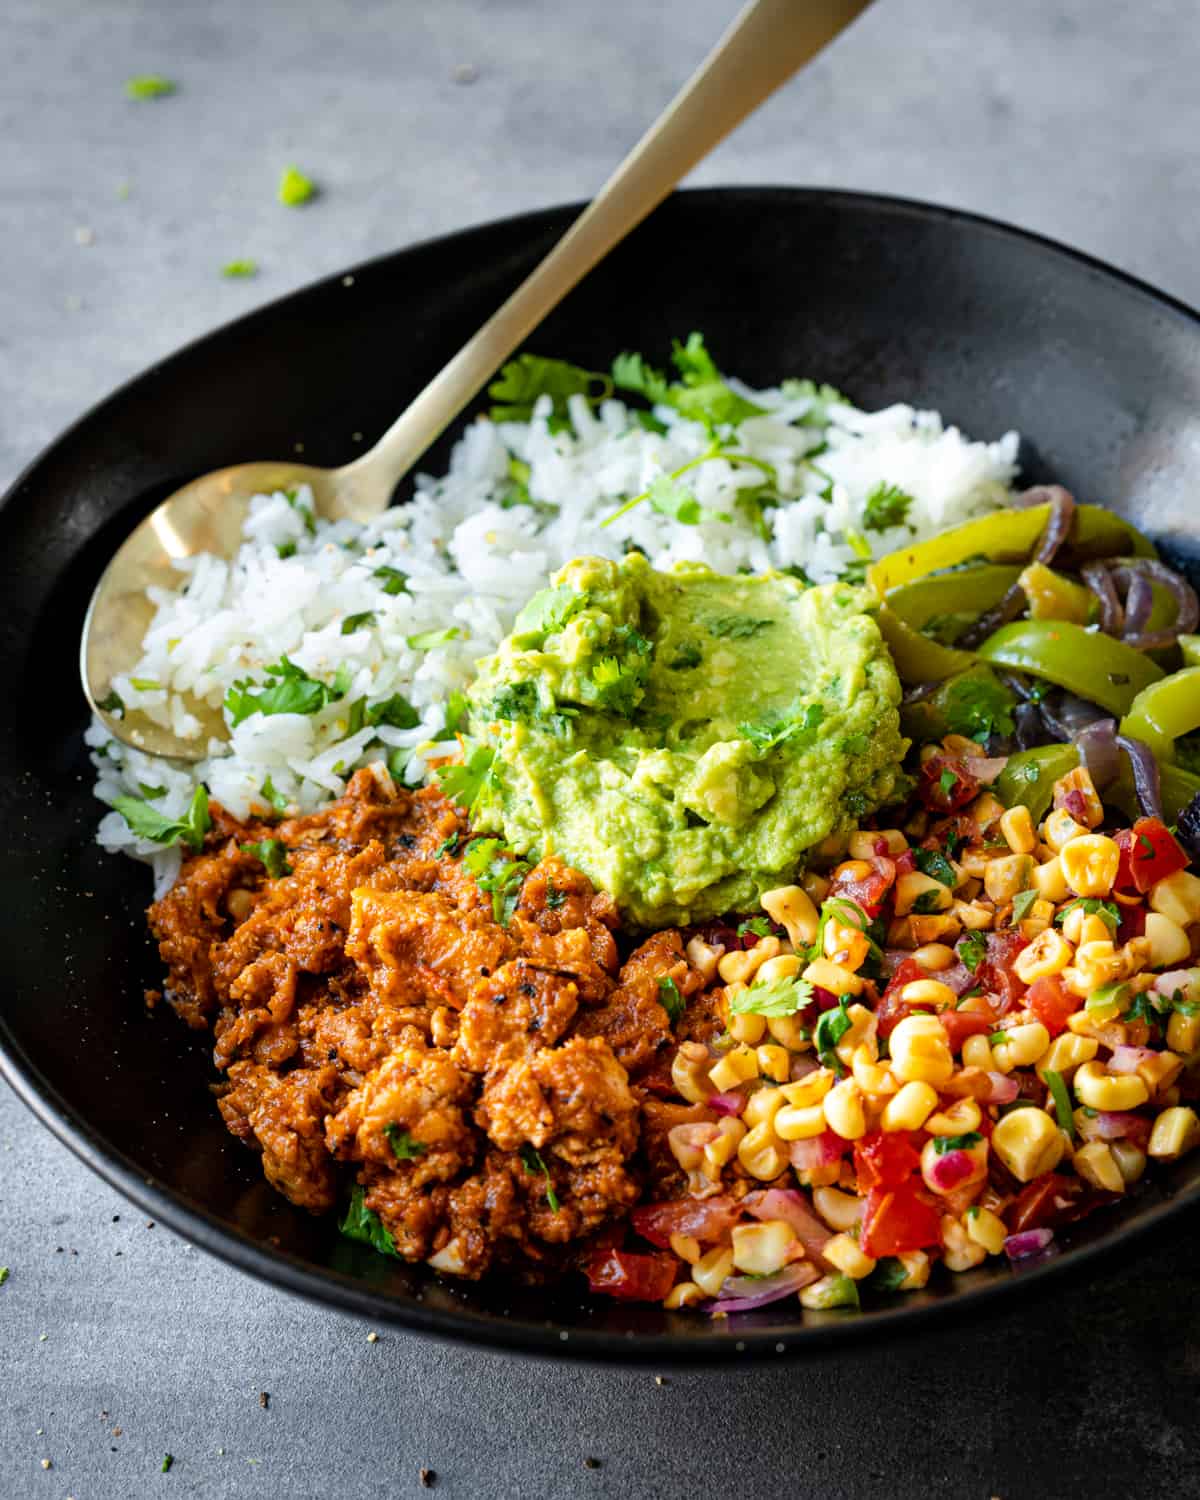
(1108, 911)
(778, 997)
(426, 640)
(358, 622)
(555, 899)
(927, 903)
(531, 1160)
(831, 1028)
(933, 862)
(670, 999)
(148, 823)
(1062, 1100)
(448, 846)
(463, 782)
(456, 715)
(888, 1276)
(700, 393)
(670, 498)
(392, 579)
(404, 1148)
(286, 550)
(3, 1275)
(277, 800)
(168, 1460)
(944, 1143)
(759, 926)
(149, 86)
(737, 627)
(363, 1223)
(887, 505)
(240, 268)
(295, 188)
(687, 656)
(497, 874)
(112, 704)
(397, 712)
(799, 727)
(1023, 903)
(288, 690)
(151, 793)
(273, 855)
(972, 949)
(978, 705)
(524, 379)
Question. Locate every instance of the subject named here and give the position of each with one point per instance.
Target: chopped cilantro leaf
(546, 614)
(426, 640)
(295, 188)
(797, 728)
(463, 782)
(978, 705)
(700, 394)
(524, 379)
(148, 823)
(887, 505)
(286, 550)
(457, 713)
(927, 903)
(555, 899)
(497, 874)
(238, 268)
(404, 1148)
(831, 1028)
(149, 86)
(933, 862)
(670, 999)
(151, 793)
(1023, 903)
(363, 1223)
(778, 997)
(396, 711)
(448, 846)
(670, 498)
(288, 690)
(688, 655)
(112, 704)
(358, 622)
(888, 1276)
(944, 1143)
(392, 579)
(737, 627)
(759, 926)
(165, 1466)
(947, 781)
(1108, 911)
(272, 853)
(276, 799)
(972, 949)
(531, 1160)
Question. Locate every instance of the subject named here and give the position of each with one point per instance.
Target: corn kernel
(761, 1152)
(1098, 963)
(934, 958)
(1183, 1033)
(689, 1072)
(1100, 1090)
(800, 1122)
(762, 1106)
(917, 1265)
(816, 887)
(910, 1108)
(792, 908)
(872, 1077)
(842, 1251)
(959, 1250)
(738, 1065)
(1028, 1142)
(929, 992)
(710, 1271)
(974, 915)
(1090, 864)
(1066, 1052)
(774, 1062)
(703, 958)
(719, 1152)
(845, 944)
(762, 1249)
(683, 1294)
(938, 927)
(1174, 1132)
(785, 966)
(810, 1089)
(1048, 954)
(961, 1118)
(687, 1247)
(987, 808)
(742, 964)
(1060, 829)
(748, 1027)
(986, 1229)
(1159, 1072)
(841, 1211)
(861, 1032)
(1049, 881)
(789, 1031)
(1007, 875)
(977, 1053)
(844, 1114)
(913, 886)
(1169, 944)
(863, 842)
(833, 977)
(1080, 782)
(1178, 897)
(1130, 1160)
(1107, 1033)
(1096, 1164)
(920, 1050)
(1021, 1046)
(1017, 827)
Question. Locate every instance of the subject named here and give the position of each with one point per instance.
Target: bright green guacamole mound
(684, 737)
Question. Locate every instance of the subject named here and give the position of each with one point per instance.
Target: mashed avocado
(684, 737)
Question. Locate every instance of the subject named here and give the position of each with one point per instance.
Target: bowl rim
(333, 1288)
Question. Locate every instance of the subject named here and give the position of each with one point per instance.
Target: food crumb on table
(428, 1478)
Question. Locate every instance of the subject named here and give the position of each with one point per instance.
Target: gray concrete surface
(118, 1343)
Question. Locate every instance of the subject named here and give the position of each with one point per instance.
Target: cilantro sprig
(531, 1160)
(771, 998)
(498, 873)
(670, 999)
(272, 854)
(148, 823)
(364, 1224)
(288, 689)
(404, 1148)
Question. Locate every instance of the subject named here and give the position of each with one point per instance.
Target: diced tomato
(631, 1277)
(946, 784)
(996, 973)
(891, 1010)
(1076, 804)
(869, 890)
(906, 863)
(884, 1160)
(1132, 924)
(898, 1220)
(1051, 1004)
(706, 1219)
(960, 1024)
(1047, 1201)
(1153, 853)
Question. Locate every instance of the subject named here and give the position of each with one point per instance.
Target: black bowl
(886, 299)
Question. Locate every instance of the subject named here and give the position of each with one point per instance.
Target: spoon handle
(766, 43)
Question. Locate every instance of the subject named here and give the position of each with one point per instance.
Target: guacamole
(684, 737)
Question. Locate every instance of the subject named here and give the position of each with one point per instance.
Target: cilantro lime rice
(332, 645)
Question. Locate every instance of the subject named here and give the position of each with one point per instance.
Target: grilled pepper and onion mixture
(511, 1023)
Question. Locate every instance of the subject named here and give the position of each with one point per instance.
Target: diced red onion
(742, 1294)
(1054, 534)
(823, 999)
(1112, 1125)
(1187, 604)
(1100, 581)
(793, 1208)
(817, 1151)
(1028, 1242)
(1004, 1089)
(1147, 782)
(726, 1104)
(950, 1171)
(985, 769)
(802, 1065)
(1129, 1059)
(1187, 827)
(1139, 599)
(1186, 980)
(1099, 751)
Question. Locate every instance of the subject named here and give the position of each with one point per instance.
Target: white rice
(472, 558)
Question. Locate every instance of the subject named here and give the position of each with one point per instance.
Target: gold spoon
(766, 43)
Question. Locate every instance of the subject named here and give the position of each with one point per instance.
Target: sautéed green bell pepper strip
(1085, 662)
(1190, 646)
(1029, 777)
(1164, 711)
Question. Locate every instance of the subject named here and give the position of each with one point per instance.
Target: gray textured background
(117, 1342)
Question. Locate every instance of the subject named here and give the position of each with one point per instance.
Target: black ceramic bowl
(888, 300)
